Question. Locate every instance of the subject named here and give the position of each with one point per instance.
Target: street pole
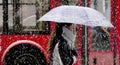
(114, 34)
(84, 40)
(5, 16)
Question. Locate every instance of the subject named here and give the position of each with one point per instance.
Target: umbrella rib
(86, 15)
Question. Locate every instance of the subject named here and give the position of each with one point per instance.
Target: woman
(62, 50)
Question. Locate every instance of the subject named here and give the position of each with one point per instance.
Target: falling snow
(24, 40)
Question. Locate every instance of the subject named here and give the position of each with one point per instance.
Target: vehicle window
(100, 40)
(10, 16)
(25, 15)
(69, 2)
(1, 17)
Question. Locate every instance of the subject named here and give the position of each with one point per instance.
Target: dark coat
(63, 48)
(66, 53)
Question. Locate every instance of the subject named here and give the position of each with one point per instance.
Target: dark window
(69, 2)
(100, 40)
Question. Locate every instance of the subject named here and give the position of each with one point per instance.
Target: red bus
(24, 40)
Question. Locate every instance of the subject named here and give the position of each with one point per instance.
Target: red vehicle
(24, 40)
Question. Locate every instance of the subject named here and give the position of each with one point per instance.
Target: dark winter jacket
(64, 52)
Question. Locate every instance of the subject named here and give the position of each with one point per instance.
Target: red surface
(117, 31)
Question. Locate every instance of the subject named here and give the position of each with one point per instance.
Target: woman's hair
(56, 36)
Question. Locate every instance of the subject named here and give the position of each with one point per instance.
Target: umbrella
(77, 15)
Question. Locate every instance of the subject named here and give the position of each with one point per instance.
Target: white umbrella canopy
(77, 15)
